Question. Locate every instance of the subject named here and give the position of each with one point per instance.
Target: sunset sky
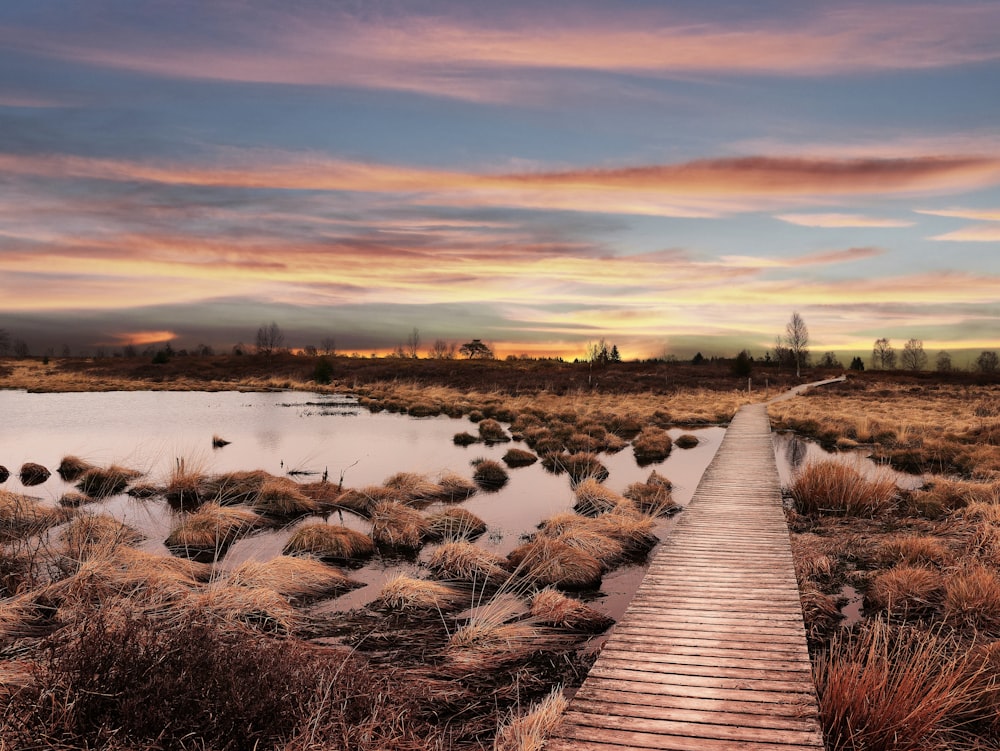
(670, 176)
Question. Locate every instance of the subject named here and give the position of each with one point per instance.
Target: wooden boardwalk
(711, 653)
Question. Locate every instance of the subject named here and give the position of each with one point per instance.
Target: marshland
(306, 566)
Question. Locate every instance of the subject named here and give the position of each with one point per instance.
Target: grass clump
(491, 431)
(405, 593)
(906, 591)
(686, 441)
(464, 438)
(489, 475)
(329, 542)
(547, 561)
(362, 501)
(100, 531)
(398, 528)
(293, 577)
(21, 516)
(101, 482)
(553, 608)
(579, 466)
(281, 498)
(653, 496)
(33, 474)
(530, 730)
(914, 549)
(593, 498)
(972, 600)
(462, 561)
(653, 444)
(453, 487)
(890, 688)
(206, 534)
(455, 524)
(519, 458)
(72, 467)
(833, 487)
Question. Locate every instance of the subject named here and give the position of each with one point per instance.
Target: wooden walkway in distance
(711, 653)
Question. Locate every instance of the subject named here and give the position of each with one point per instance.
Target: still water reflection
(283, 432)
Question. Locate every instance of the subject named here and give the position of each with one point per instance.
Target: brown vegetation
(330, 542)
(207, 533)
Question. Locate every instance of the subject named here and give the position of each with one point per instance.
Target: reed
(206, 534)
(833, 487)
(330, 543)
(293, 577)
(887, 688)
(407, 594)
(455, 524)
(398, 528)
(553, 608)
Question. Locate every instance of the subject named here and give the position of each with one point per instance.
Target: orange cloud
(840, 220)
(451, 57)
(813, 259)
(701, 188)
(140, 338)
(983, 233)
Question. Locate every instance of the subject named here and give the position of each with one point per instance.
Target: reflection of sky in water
(794, 453)
(279, 432)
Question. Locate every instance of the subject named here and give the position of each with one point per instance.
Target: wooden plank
(710, 654)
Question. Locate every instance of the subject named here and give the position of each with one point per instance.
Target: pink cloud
(840, 220)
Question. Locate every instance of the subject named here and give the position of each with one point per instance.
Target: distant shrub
(323, 372)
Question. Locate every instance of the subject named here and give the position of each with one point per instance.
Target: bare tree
(797, 341)
(943, 362)
(21, 348)
(130, 351)
(883, 355)
(829, 360)
(442, 350)
(4, 342)
(270, 339)
(413, 344)
(328, 346)
(913, 357)
(987, 362)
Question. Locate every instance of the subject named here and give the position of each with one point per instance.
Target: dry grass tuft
(915, 550)
(404, 593)
(293, 577)
(489, 475)
(653, 497)
(593, 498)
(399, 528)
(546, 561)
(906, 591)
(75, 500)
(652, 445)
(820, 613)
(207, 533)
(101, 482)
(455, 524)
(412, 488)
(686, 441)
(530, 731)
(464, 438)
(607, 550)
(972, 600)
(260, 609)
(580, 466)
(491, 431)
(553, 608)
(519, 458)
(833, 487)
(282, 498)
(463, 561)
(635, 531)
(72, 467)
(185, 487)
(101, 531)
(33, 474)
(21, 516)
(892, 689)
(453, 487)
(330, 542)
(945, 496)
(362, 501)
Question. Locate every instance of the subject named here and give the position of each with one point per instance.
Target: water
(281, 432)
